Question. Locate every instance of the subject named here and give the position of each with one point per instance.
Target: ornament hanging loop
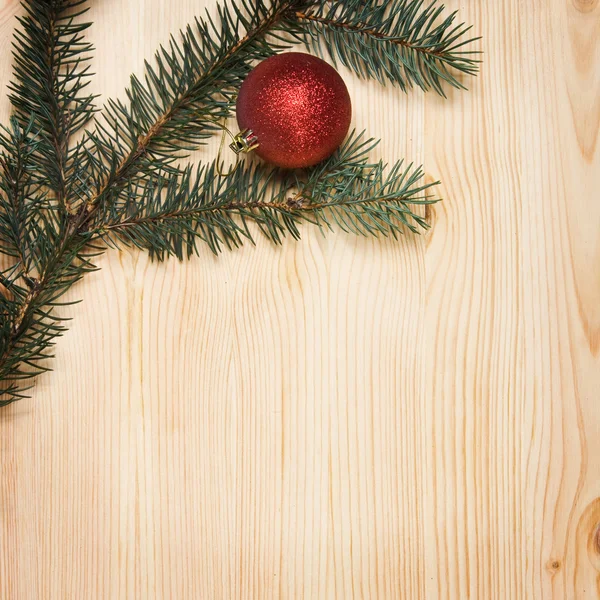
(245, 141)
(219, 162)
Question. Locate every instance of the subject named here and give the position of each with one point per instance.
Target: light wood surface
(341, 418)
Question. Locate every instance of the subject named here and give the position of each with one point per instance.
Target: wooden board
(341, 417)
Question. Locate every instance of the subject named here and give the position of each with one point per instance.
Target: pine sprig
(61, 204)
(169, 216)
(29, 325)
(51, 72)
(406, 42)
(173, 110)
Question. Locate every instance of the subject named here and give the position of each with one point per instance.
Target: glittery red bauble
(297, 106)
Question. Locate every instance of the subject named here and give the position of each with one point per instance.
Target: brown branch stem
(371, 32)
(299, 203)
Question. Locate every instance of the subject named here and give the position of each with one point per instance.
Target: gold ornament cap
(245, 141)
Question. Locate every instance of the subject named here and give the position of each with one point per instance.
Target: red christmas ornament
(294, 110)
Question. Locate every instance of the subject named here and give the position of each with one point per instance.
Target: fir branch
(51, 70)
(29, 324)
(167, 217)
(401, 41)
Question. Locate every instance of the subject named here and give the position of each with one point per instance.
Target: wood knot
(585, 6)
(588, 532)
(553, 565)
(429, 208)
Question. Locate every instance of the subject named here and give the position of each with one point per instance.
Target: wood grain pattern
(341, 418)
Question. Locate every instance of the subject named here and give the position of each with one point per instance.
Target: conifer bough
(62, 203)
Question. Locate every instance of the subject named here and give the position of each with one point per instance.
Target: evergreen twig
(346, 191)
(406, 42)
(51, 70)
